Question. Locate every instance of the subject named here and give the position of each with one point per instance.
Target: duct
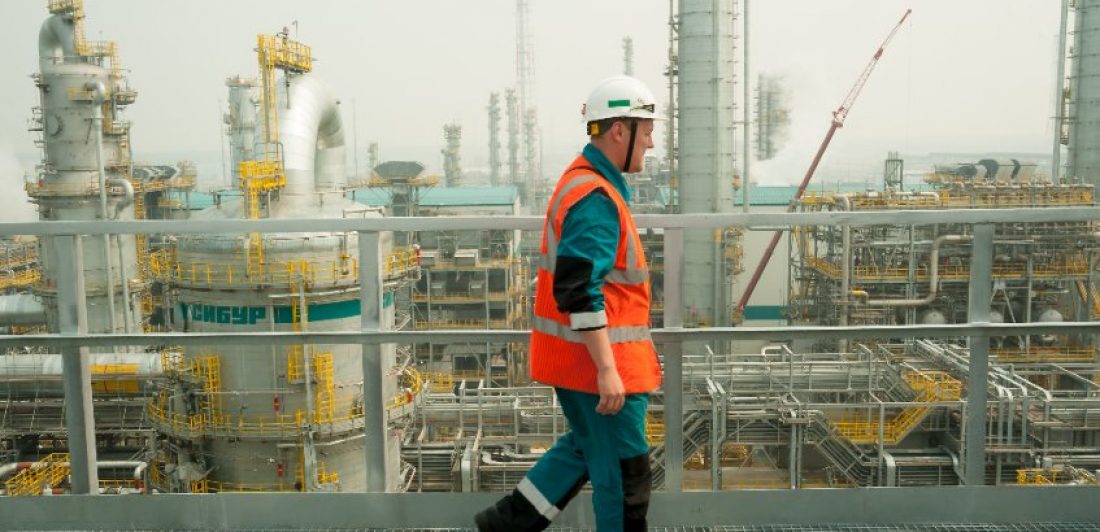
(56, 41)
(21, 309)
(933, 282)
(312, 138)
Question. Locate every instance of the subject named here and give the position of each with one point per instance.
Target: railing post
(371, 320)
(981, 286)
(72, 316)
(674, 387)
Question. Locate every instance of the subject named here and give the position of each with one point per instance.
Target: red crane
(838, 122)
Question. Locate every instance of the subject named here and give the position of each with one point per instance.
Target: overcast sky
(962, 76)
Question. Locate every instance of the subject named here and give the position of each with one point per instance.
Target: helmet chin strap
(630, 147)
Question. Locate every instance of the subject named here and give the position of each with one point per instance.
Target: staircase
(931, 387)
(696, 435)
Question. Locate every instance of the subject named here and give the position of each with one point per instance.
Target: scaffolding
(901, 274)
(471, 280)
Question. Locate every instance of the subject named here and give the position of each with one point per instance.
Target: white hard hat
(620, 97)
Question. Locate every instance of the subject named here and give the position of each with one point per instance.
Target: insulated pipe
(21, 309)
(56, 41)
(934, 277)
(99, 95)
(312, 138)
(128, 199)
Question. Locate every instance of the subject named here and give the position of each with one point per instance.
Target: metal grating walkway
(1029, 527)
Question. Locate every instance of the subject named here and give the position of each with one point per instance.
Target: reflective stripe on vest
(558, 355)
(551, 255)
(616, 335)
(632, 274)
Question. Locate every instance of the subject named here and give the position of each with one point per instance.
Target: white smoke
(14, 206)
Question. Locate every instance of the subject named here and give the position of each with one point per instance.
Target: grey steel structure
(956, 505)
(706, 157)
(848, 408)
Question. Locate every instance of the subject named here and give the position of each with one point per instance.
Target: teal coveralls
(610, 451)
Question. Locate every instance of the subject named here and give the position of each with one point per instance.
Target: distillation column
(277, 418)
(1084, 107)
(452, 155)
(494, 139)
(241, 124)
(512, 113)
(85, 172)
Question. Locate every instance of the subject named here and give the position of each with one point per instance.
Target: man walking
(590, 337)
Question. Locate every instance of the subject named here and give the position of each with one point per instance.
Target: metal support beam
(370, 304)
(73, 321)
(981, 288)
(674, 386)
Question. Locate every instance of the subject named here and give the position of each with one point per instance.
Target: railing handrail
(662, 335)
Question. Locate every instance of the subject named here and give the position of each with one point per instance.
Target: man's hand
(611, 392)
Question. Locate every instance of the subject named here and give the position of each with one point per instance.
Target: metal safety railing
(164, 266)
(1061, 267)
(672, 338)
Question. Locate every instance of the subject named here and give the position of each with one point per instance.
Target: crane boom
(838, 122)
(842, 112)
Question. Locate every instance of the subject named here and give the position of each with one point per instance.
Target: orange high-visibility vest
(558, 356)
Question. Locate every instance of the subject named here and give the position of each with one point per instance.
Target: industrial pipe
(139, 467)
(312, 138)
(41, 365)
(56, 41)
(845, 269)
(934, 274)
(127, 191)
(21, 309)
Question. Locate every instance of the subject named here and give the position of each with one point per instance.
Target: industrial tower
(1083, 118)
(452, 156)
(494, 139)
(527, 109)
